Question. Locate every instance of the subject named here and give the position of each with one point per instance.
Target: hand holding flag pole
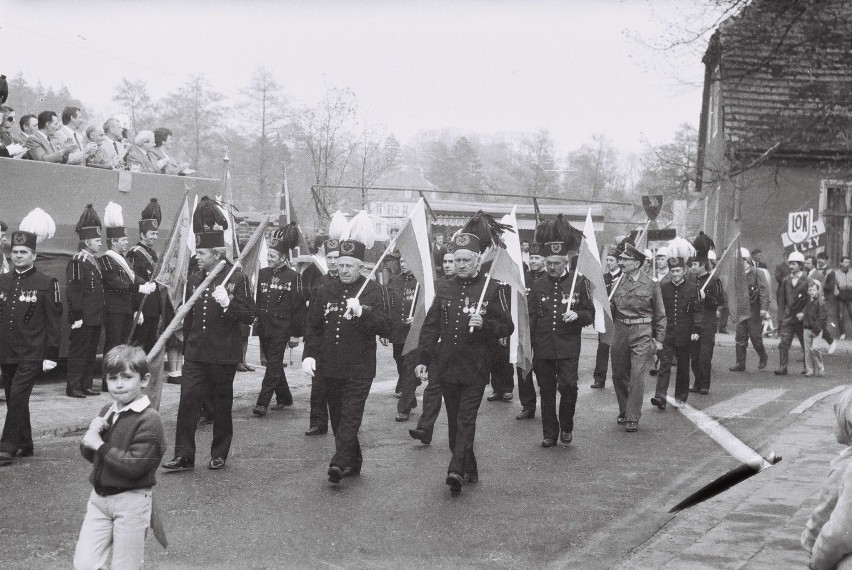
(573, 285)
(482, 296)
(414, 301)
(719, 261)
(389, 249)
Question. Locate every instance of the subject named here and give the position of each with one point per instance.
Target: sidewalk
(757, 524)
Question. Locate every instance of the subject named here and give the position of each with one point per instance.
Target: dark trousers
(552, 375)
(432, 395)
(319, 403)
(409, 383)
(601, 363)
(82, 353)
(19, 381)
(526, 390)
(346, 400)
(198, 379)
(400, 365)
(462, 402)
(145, 335)
(681, 354)
(786, 332)
(701, 354)
(274, 380)
(116, 329)
(502, 375)
(750, 328)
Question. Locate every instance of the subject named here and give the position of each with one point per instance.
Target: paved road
(586, 505)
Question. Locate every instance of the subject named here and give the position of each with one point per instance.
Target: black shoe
(350, 472)
(75, 394)
(313, 430)
(631, 427)
(659, 402)
(420, 434)
(693, 389)
(278, 406)
(179, 464)
(91, 392)
(402, 417)
(495, 397)
(24, 453)
(259, 411)
(241, 367)
(737, 368)
(653, 372)
(173, 379)
(781, 372)
(248, 367)
(526, 414)
(6, 458)
(455, 481)
(335, 474)
(597, 385)
(566, 437)
(704, 391)
(621, 420)
(205, 420)
(216, 463)
(471, 478)
(548, 442)
(508, 397)
(764, 360)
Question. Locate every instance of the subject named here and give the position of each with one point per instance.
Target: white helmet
(711, 255)
(663, 251)
(796, 256)
(745, 253)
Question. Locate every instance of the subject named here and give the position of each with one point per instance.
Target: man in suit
(712, 297)
(39, 145)
(791, 307)
(752, 327)
(67, 136)
(137, 155)
(112, 147)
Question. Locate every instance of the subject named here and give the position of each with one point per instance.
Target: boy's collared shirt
(136, 405)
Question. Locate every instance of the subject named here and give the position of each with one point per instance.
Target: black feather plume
(4, 89)
(487, 229)
(543, 231)
(152, 211)
(289, 235)
(89, 219)
(207, 215)
(702, 244)
(568, 233)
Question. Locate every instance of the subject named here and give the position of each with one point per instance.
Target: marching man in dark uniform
(458, 356)
(143, 261)
(120, 281)
(340, 345)
(526, 388)
(639, 324)
(402, 289)
(85, 291)
(613, 272)
(712, 297)
(559, 308)
(212, 345)
(752, 327)
(319, 403)
(30, 333)
(684, 314)
(280, 317)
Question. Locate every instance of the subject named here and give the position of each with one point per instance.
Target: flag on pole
(415, 247)
(226, 206)
(252, 259)
(172, 274)
(288, 214)
(731, 273)
(589, 266)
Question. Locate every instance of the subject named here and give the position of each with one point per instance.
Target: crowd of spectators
(65, 139)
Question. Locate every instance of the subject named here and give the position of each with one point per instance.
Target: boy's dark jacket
(814, 317)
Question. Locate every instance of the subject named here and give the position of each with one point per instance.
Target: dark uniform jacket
(758, 291)
(640, 299)
(447, 347)
(211, 333)
(143, 260)
(684, 313)
(531, 276)
(119, 291)
(792, 298)
(552, 338)
(609, 279)
(280, 302)
(346, 347)
(30, 317)
(85, 290)
(401, 290)
(714, 296)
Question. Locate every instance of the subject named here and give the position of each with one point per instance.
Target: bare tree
(134, 99)
(264, 108)
(194, 113)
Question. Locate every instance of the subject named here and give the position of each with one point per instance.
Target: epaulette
(503, 301)
(56, 297)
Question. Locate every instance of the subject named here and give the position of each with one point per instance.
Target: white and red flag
(589, 266)
(416, 248)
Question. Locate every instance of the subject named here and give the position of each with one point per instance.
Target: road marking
(816, 398)
(383, 386)
(718, 433)
(743, 403)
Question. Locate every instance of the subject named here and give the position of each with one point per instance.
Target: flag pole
(414, 300)
(482, 296)
(617, 283)
(719, 261)
(573, 282)
(249, 245)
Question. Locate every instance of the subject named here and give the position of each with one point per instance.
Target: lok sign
(803, 233)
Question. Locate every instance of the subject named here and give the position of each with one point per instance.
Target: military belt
(639, 321)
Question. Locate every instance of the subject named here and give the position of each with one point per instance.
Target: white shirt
(136, 405)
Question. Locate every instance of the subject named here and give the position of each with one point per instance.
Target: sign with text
(813, 243)
(799, 225)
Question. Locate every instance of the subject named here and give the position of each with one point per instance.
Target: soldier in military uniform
(121, 283)
(340, 345)
(143, 261)
(319, 404)
(526, 389)
(461, 358)
(712, 296)
(280, 317)
(559, 308)
(85, 291)
(30, 333)
(212, 349)
(402, 290)
(613, 273)
(684, 315)
(752, 327)
(639, 325)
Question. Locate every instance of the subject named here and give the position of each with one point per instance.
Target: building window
(835, 209)
(713, 107)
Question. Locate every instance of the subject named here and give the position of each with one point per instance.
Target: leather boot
(782, 364)
(741, 359)
(764, 360)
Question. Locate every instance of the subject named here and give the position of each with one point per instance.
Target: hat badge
(155, 224)
(98, 231)
(347, 247)
(274, 242)
(332, 243)
(20, 239)
(197, 240)
(557, 248)
(463, 240)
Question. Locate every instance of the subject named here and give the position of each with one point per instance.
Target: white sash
(122, 262)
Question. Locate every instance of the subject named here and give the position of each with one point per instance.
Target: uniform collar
(469, 280)
(142, 245)
(23, 274)
(561, 278)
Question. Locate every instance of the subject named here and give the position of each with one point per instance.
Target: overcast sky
(574, 67)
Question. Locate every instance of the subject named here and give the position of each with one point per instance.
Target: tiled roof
(786, 76)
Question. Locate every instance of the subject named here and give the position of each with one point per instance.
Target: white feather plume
(680, 247)
(113, 217)
(361, 229)
(339, 224)
(39, 223)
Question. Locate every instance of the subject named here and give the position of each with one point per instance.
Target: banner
(731, 273)
(173, 270)
(416, 248)
(589, 266)
(507, 270)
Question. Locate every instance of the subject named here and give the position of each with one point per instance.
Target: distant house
(775, 134)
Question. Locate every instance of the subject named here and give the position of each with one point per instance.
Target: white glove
(77, 324)
(147, 288)
(353, 305)
(309, 366)
(141, 319)
(221, 296)
(48, 365)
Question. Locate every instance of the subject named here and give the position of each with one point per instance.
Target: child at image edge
(125, 445)
(828, 533)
